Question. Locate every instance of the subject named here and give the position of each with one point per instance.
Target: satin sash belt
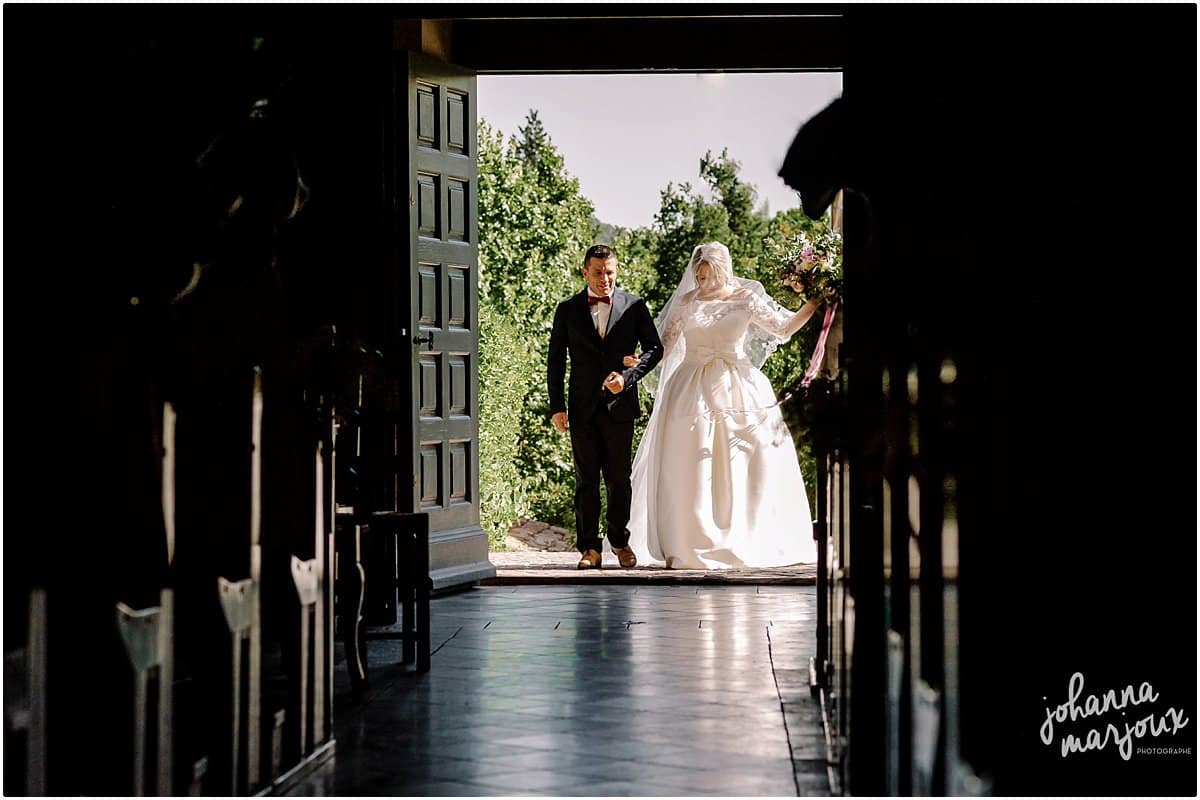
(706, 354)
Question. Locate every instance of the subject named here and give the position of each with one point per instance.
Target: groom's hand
(560, 421)
(614, 383)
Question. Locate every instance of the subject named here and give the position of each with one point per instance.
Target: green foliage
(637, 251)
(533, 231)
(686, 218)
(746, 228)
(533, 225)
(503, 498)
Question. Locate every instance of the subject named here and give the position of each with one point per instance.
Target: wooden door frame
(496, 45)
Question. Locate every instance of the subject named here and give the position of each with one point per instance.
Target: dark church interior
(209, 276)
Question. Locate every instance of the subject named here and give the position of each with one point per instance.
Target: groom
(597, 328)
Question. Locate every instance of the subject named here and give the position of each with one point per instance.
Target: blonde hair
(716, 255)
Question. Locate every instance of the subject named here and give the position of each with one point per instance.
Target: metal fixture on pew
(237, 601)
(307, 579)
(311, 583)
(147, 634)
(241, 604)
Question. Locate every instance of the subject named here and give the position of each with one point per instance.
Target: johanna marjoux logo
(1124, 724)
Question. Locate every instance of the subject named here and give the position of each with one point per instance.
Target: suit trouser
(601, 445)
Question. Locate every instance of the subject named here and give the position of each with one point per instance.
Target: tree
(503, 497)
(533, 224)
(534, 227)
(686, 218)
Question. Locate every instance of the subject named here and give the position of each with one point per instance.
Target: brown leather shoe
(625, 556)
(590, 560)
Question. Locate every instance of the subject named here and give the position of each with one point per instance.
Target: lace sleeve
(670, 331)
(673, 328)
(770, 316)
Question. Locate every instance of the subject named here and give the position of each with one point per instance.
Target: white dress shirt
(600, 312)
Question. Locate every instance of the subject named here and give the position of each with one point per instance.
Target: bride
(716, 481)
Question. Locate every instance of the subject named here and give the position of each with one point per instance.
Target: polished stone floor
(591, 690)
(532, 567)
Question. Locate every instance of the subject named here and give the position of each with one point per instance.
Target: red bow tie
(593, 300)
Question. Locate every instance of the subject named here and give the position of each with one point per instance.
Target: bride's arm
(777, 320)
(671, 331)
(801, 317)
(674, 324)
(670, 334)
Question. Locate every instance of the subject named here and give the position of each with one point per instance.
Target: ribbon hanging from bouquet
(818, 355)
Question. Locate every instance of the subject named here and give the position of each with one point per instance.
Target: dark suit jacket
(593, 358)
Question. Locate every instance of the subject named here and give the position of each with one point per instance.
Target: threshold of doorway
(534, 567)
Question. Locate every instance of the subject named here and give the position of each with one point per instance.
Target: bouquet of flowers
(811, 265)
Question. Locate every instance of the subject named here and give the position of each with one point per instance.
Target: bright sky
(626, 136)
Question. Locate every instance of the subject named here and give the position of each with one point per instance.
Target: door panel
(443, 264)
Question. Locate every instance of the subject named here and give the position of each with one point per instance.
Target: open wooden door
(438, 112)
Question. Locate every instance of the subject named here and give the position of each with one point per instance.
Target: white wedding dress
(716, 481)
